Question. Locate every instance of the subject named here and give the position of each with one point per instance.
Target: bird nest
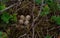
(40, 27)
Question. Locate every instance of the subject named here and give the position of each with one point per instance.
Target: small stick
(9, 7)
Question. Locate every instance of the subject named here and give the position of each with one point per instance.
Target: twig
(42, 32)
(33, 32)
(36, 17)
(38, 14)
(54, 28)
(38, 34)
(22, 35)
(33, 19)
(40, 10)
(9, 7)
(22, 7)
(28, 36)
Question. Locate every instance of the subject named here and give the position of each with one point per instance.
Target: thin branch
(10, 7)
(38, 14)
(42, 32)
(36, 17)
(22, 35)
(38, 34)
(54, 28)
(33, 29)
(22, 7)
(40, 10)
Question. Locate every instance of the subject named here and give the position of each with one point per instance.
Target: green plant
(2, 6)
(52, 4)
(38, 2)
(3, 35)
(49, 2)
(3, 1)
(58, 6)
(48, 36)
(56, 19)
(45, 10)
(14, 17)
(5, 17)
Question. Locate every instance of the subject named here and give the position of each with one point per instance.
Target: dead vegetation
(38, 26)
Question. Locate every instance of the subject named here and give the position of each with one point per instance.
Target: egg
(26, 22)
(21, 21)
(28, 17)
(22, 17)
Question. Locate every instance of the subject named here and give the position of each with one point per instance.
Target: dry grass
(39, 26)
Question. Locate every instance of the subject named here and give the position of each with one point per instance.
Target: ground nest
(42, 26)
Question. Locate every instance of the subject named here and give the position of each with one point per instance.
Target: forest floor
(38, 27)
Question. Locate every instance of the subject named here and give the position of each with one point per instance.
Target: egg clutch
(24, 19)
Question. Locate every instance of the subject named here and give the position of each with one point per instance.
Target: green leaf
(52, 4)
(38, 2)
(3, 35)
(53, 18)
(2, 7)
(5, 17)
(48, 36)
(56, 19)
(45, 10)
(58, 6)
(49, 2)
(14, 17)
